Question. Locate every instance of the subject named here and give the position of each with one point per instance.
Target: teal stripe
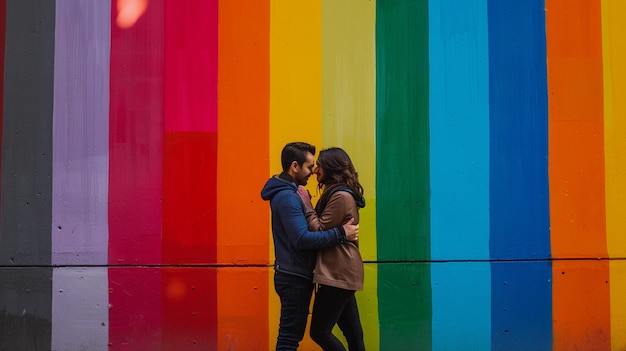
(459, 155)
(402, 184)
(459, 130)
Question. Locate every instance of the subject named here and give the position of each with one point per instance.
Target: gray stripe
(80, 309)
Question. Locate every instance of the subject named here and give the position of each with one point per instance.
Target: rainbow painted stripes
(490, 137)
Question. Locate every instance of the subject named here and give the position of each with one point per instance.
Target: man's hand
(352, 230)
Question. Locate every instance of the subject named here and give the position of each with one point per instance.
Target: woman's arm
(288, 209)
(341, 209)
(335, 214)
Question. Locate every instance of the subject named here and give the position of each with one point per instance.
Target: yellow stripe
(295, 98)
(349, 121)
(614, 56)
(349, 94)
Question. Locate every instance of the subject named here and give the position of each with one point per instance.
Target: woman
(339, 269)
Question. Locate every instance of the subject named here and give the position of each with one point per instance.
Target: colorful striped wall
(489, 135)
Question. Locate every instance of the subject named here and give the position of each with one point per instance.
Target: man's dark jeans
(295, 297)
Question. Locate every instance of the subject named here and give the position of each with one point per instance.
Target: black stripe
(26, 189)
(25, 308)
(26, 208)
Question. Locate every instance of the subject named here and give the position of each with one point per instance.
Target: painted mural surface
(489, 136)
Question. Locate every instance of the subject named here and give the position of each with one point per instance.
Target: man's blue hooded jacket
(295, 247)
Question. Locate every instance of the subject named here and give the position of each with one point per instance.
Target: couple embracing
(316, 246)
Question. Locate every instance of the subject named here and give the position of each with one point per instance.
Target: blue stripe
(521, 305)
(521, 316)
(519, 130)
(459, 156)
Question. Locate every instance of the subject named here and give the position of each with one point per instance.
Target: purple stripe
(81, 132)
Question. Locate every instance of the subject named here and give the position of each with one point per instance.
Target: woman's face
(319, 172)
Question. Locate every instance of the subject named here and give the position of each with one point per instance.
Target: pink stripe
(191, 74)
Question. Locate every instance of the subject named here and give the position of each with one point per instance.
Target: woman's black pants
(336, 306)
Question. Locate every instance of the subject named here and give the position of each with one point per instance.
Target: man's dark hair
(295, 151)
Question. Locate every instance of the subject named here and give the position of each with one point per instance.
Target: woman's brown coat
(340, 266)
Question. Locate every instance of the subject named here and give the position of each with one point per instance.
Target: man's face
(304, 171)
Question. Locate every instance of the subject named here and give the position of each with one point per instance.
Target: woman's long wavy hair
(338, 170)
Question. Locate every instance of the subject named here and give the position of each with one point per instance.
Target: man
(295, 247)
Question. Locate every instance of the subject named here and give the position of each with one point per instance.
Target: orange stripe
(581, 308)
(242, 169)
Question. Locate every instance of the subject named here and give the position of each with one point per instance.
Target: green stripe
(402, 171)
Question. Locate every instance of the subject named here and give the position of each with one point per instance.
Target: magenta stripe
(80, 132)
(191, 66)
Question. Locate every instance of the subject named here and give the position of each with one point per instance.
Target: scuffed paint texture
(488, 135)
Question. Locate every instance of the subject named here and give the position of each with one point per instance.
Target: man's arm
(329, 219)
(297, 228)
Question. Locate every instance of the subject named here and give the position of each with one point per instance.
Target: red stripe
(189, 173)
(189, 309)
(189, 197)
(135, 309)
(135, 178)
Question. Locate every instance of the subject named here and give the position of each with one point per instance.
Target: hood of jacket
(360, 200)
(274, 186)
(321, 204)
